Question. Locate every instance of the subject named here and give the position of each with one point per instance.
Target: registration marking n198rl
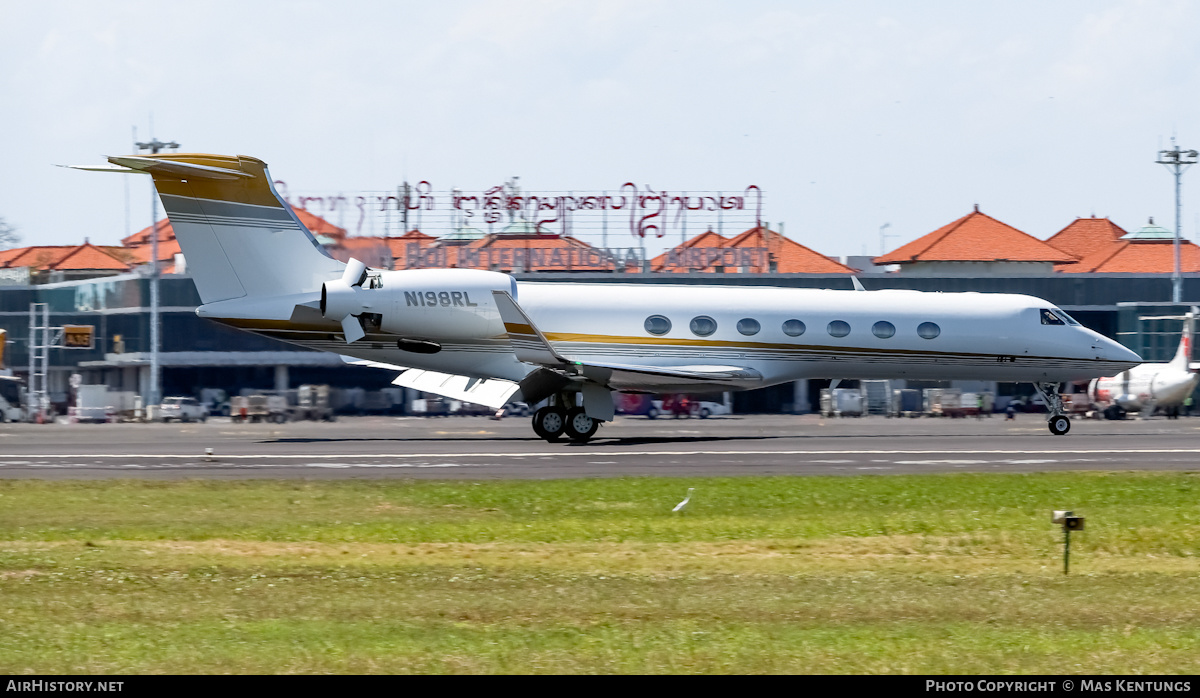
(426, 299)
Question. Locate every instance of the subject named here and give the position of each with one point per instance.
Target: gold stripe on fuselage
(301, 333)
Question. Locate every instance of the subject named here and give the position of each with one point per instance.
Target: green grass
(898, 574)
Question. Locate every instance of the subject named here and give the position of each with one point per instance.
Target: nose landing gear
(1059, 422)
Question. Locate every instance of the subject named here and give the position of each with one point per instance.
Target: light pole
(883, 238)
(1177, 161)
(152, 397)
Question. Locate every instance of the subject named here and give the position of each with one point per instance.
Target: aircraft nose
(1108, 350)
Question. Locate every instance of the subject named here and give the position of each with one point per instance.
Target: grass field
(897, 574)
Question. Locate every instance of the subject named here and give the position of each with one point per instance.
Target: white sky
(849, 114)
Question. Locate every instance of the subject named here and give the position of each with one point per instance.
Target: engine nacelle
(1128, 402)
(439, 304)
(339, 300)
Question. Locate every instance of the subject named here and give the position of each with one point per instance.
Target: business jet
(1146, 387)
(482, 337)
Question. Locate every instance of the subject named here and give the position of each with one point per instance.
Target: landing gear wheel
(548, 423)
(1114, 412)
(579, 426)
(1060, 424)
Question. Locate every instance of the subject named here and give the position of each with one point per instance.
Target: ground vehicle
(516, 409)
(259, 408)
(431, 407)
(684, 406)
(707, 408)
(12, 399)
(841, 402)
(92, 404)
(183, 409)
(312, 404)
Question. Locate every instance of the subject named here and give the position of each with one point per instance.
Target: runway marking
(566, 454)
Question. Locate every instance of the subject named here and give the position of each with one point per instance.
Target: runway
(480, 448)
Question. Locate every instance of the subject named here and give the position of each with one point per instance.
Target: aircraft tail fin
(238, 236)
(1183, 355)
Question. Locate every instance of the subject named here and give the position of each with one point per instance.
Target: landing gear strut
(1059, 422)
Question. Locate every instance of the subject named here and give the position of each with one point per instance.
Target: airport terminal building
(1115, 282)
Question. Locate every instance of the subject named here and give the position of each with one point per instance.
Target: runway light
(208, 454)
(686, 499)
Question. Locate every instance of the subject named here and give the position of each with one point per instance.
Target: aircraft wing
(531, 346)
(350, 360)
(527, 340)
(492, 392)
(631, 376)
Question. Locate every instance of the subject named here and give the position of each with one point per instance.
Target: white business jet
(481, 337)
(1148, 386)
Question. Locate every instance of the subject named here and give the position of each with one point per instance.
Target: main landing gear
(556, 421)
(1059, 422)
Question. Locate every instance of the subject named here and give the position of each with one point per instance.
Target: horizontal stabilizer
(1194, 366)
(177, 168)
(130, 164)
(491, 392)
(104, 168)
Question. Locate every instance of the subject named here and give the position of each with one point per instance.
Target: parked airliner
(482, 337)
(1149, 386)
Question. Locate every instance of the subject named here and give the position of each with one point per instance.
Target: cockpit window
(1049, 318)
(1070, 320)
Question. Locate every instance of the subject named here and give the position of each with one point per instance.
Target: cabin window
(1049, 318)
(928, 330)
(793, 328)
(883, 329)
(838, 328)
(703, 326)
(658, 325)
(748, 326)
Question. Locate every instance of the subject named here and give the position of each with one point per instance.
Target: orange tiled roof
(1140, 257)
(6, 255)
(88, 256)
(976, 237)
(1085, 237)
(66, 257)
(37, 256)
(707, 239)
(399, 244)
(319, 226)
(142, 237)
(167, 249)
(789, 256)
(315, 224)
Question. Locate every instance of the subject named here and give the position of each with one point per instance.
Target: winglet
(527, 340)
(857, 284)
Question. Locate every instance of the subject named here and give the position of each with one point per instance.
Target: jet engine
(1128, 402)
(421, 306)
(345, 299)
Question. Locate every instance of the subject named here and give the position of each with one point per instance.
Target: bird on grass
(686, 499)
